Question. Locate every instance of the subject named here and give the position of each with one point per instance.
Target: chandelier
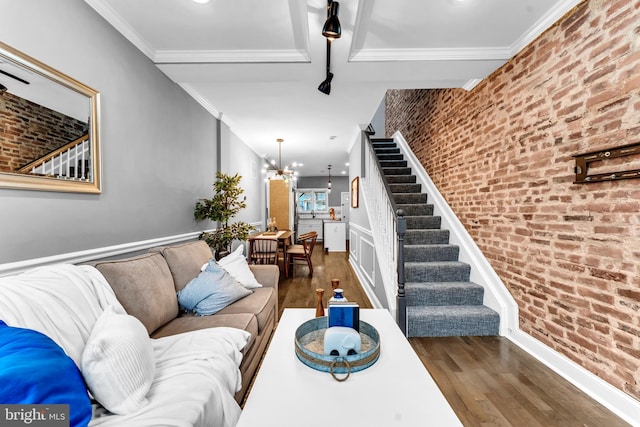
(276, 170)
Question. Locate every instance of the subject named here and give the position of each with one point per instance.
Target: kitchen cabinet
(335, 236)
(307, 225)
(279, 207)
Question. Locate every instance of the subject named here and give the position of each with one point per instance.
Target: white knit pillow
(236, 265)
(118, 363)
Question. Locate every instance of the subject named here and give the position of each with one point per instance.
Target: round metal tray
(309, 349)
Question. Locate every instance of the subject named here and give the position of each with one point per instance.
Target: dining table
(283, 237)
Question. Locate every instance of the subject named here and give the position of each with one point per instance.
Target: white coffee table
(396, 391)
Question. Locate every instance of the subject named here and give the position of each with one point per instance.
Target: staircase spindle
(401, 298)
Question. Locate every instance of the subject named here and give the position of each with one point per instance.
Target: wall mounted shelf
(584, 160)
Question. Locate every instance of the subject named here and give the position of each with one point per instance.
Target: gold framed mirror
(49, 128)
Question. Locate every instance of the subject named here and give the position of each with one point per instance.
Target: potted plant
(223, 206)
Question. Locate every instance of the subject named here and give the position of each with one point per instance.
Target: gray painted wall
(237, 157)
(378, 120)
(158, 144)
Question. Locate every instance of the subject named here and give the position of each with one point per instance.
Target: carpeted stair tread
(444, 293)
(382, 141)
(393, 163)
(387, 151)
(423, 221)
(426, 237)
(396, 171)
(437, 271)
(447, 321)
(431, 253)
(410, 198)
(415, 210)
(405, 188)
(388, 157)
(400, 179)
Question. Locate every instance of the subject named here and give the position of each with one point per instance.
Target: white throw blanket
(197, 372)
(61, 301)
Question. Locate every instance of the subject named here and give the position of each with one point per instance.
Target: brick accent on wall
(29, 131)
(501, 154)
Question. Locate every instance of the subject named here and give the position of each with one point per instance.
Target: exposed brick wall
(501, 155)
(28, 131)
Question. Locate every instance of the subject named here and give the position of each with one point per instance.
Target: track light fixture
(325, 86)
(331, 30)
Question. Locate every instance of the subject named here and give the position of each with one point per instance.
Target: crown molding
(116, 21)
(545, 22)
(229, 56)
(470, 84)
(301, 53)
(430, 54)
(201, 100)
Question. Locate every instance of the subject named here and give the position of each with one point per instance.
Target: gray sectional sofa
(120, 350)
(146, 286)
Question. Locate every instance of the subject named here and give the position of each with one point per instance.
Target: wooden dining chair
(301, 251)
(264, 251)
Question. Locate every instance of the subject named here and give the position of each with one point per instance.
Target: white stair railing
(71, 161)
(382, 218)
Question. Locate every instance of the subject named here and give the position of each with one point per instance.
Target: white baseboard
(612, 398)
(92, 254)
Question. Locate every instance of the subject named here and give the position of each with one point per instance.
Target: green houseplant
(223, 206)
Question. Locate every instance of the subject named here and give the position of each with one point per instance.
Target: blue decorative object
(36, 370)
(338, 295)
(341, 341)
(345, 314)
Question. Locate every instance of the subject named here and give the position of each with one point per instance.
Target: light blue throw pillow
(211, 291)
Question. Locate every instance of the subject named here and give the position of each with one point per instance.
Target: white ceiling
(256, 64)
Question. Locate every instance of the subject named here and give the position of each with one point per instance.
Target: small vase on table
(319, 304)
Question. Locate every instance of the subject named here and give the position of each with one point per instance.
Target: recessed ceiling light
(202, 1)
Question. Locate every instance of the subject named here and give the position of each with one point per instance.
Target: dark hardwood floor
(299, 290)
(487, 380)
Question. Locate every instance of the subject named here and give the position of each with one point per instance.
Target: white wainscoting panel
(367, 260)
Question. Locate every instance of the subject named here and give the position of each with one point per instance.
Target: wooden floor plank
(488, 381)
